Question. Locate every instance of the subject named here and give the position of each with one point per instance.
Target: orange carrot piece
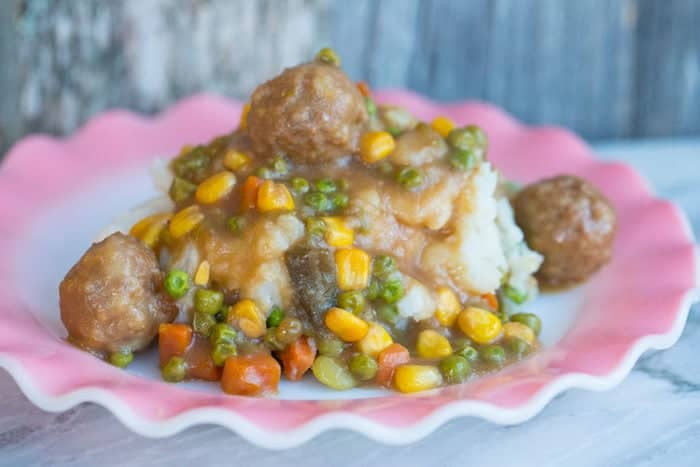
(387, 360)
(173, 340)
(491, 300)
(249, 197)
(251, 375)
(298, 357)
(200, 365)
(364, 88)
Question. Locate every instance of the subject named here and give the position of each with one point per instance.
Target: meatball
(571, 223)
(112, 300)
(311, 113)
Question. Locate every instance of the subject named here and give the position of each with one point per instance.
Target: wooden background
(605, 68)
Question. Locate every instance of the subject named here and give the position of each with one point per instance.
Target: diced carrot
(298, 357)
(249, 197)
(387, 360)
(199, 362)
(173, 340)
(364, 88)
(251, 375)
(491, 300)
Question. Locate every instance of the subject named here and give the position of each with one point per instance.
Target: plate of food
(328, 257)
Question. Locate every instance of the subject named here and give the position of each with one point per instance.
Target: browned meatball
(112, 300)
(311, 113)
(571, 223)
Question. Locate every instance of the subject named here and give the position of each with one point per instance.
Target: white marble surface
(651, 419)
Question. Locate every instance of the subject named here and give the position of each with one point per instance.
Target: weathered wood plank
(9, 82)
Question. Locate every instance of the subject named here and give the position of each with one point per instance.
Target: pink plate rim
(660, 270)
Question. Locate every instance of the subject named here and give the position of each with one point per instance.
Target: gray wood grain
(604, 68)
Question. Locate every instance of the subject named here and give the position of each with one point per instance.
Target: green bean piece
(353, 301)
(121, 359)
(326, 185)
(333, 373)
(530, 320)
(174, 371)
(177, 283)
(275, 318)
(409, 178)
(328, 56)
(455, 369)
(371, 107)
(515, 295)
(236, 224)
(318, 201)
(363, 367)
(517, 346)
(279, 165)
(221, 351)
(300, 185)
(463, 159)
(388, 313)
(181, 189)
(384, 267)
(392, 290)
(330, 346)
(208, 301)
(339, 200)
(222, 332)
(203, 323)
(288, 331)
(493, 354)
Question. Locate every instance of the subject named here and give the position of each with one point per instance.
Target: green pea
(463, 347)
(333, 373)
(463, 159)
(462, 138)
(121, 359)
(222, 332)
(315, 226)
(383, 266)
(289, 330)
(271, 339)
(374, 289)
(318, 201)
(530, 320)
(221, 351)
(300, 185)
(363, 367)
(330, 346)
(393, 131)
(339, 200)
(279, 165)
(392, 290)
(174, 371)
(455, 369)
(371, 107)
(208, 301)
(177, 283)
(326, 185)
(493, 354)
(275, 318)
(478, 136)
(181, 189)
(517, 296)
(388, 313)
(517, 346)
(328, 56)
(409, 177)
(203, 323)
(352, 301)
(193, 164)
(264, 172)
(343, 184)
(385, 167)
(236, 224)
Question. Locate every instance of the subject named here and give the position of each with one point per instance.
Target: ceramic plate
(57, 194)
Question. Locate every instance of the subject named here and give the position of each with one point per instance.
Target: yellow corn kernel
(244, 116)
(345, 325)
(414, 378)
(148, 229)
(376, 145)
(442, 125)
(448, 306)
(376, 340)
(215, 187)
(479, 325)
(201, 276)
(185, 221)
(274, 197)
(519, 330)
(338, 234)
(246, 316)
(352, 269)
(432, 344)
(234, 160)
